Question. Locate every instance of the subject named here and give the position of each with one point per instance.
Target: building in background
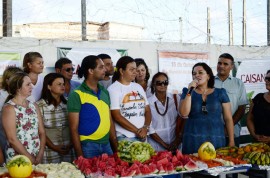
(72, 31)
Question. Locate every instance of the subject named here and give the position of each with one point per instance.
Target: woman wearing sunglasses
(129, 105)
(33, 66)
(163, 134)
(259, 114)
(203, 107)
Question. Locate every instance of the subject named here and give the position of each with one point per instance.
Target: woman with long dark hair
(203, 107)
(129, 106)
(53, 107)
(259, 113)
(143, 76)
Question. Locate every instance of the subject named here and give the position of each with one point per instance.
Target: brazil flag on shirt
(94, 113)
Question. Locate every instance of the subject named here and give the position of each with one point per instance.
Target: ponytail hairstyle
(29, 58)
(121, 64)
(89, 62)
(14, 84)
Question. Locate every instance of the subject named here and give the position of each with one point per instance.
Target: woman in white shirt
(129, 106)
(33, 66)
(164, 130)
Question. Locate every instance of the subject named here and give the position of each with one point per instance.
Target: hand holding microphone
(191, 86)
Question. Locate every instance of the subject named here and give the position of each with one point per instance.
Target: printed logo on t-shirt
(133, 96)
(133, 105)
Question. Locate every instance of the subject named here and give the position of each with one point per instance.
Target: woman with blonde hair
(9, 71)
(33, 66)
(22, 121)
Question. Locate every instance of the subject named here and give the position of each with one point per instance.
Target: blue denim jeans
(92, 149)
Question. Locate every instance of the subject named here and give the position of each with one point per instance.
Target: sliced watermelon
(104, 157)
(153, 169)
(161, 169)
(170, 168)
(111, 161)
(127, 173)
(145, 170)
(163, 161)
(174, 159)
(191, 165)
(179, 155)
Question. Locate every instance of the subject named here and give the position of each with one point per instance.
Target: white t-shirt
(37, 88)
(131, 100)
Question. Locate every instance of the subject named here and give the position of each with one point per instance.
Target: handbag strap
(175, 102)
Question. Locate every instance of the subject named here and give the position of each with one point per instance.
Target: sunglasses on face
(267, 78)
(69, 69)
(160, 83)
(204, 109)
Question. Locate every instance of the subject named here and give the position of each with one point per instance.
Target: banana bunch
(258, 158)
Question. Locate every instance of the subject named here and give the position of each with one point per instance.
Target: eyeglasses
(204, 109)
(69, 69)
(160, 83)
(267, 78)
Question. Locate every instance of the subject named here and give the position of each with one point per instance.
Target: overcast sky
(160, 18)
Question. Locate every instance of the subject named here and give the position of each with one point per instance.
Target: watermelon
(180, 168)
(104, 157)
(179, 155)
(109, 172)
(145, 169)
(174, 159)
(161, 169)
(163, 161)
(127, 173)
(191, 165)
(153, 169)
(170, 168)
(111, 161)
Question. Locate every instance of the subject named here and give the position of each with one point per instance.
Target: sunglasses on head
(69, 69)
(267, 78)
(160, 83)
(204, 109)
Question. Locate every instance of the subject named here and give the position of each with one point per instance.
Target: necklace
(165, 109)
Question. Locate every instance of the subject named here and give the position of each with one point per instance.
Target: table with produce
(138, 159)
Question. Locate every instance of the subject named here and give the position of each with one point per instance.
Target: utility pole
(244, 32)
(230, 22)
(208, 26)
(180, 30)
(83, 9)
(268, 22)
(7, 18)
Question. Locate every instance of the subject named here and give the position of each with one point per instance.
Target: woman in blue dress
(203, 106)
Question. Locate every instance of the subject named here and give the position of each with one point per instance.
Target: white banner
(178, 66)
(252, 73)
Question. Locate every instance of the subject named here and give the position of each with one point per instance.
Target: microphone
(190, 90)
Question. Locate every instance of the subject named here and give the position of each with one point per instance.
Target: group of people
(55, 119)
